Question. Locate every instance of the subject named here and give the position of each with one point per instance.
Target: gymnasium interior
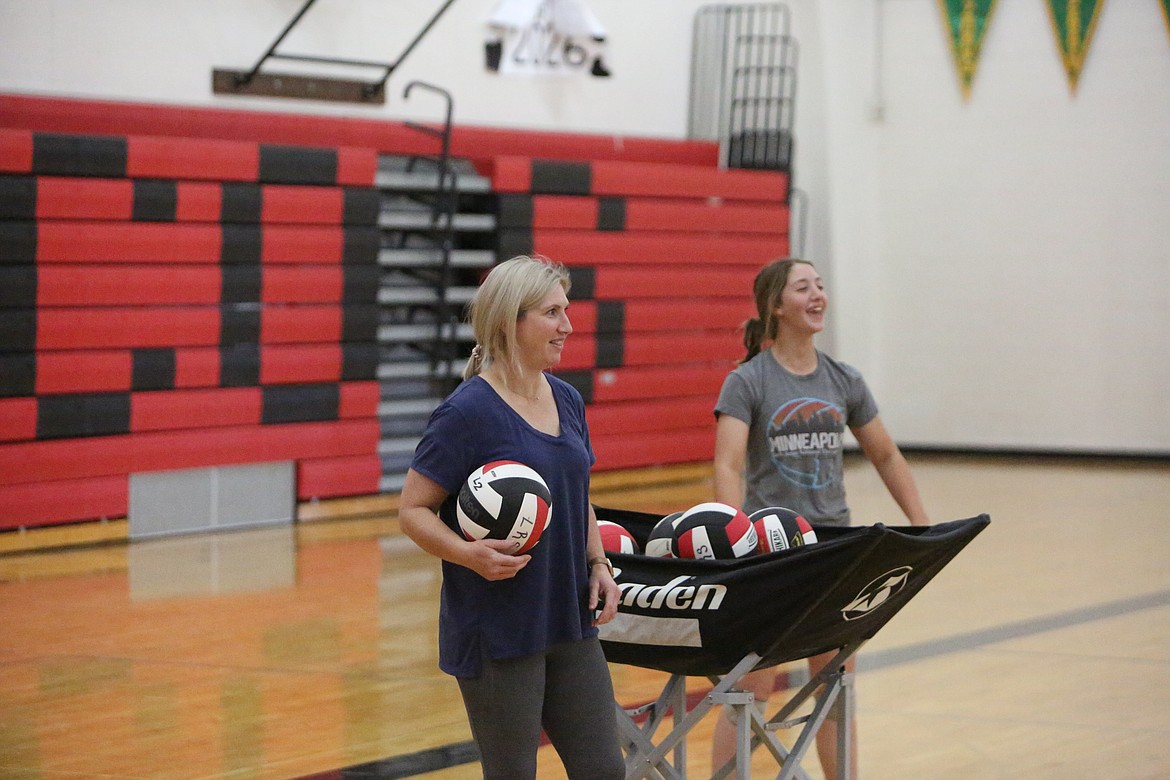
(237, 241)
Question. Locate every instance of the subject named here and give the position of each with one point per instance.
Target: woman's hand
(603, 593)
(418, 507)
(488, 559)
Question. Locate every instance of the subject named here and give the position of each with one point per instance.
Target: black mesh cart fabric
(701, 618)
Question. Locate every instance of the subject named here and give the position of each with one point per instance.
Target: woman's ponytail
(474, 363)
(753, 337)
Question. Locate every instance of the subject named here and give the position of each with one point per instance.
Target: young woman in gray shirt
(781, 416)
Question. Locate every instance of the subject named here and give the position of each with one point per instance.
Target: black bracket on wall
(257, 82)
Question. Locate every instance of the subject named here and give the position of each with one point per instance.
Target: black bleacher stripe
(360, 283)
(18, 373)
(240, 203)
(239, 365)
(610, 350)
(83, 414)
(359, 362)
(297, 165)
(18, 242)
(18, 288)
(153, 369)
(241, 244)
(239, 323)
(79, 155)
(360, 206)
(514, 211)
(582, 282)
(513, 241)
(561, 177)
(240, 283)
(611, 214)
(359, 324)
(18, 330)
(18, 197)
(611, 316)
(155, 201)
(299, 403)
(582, 380)
(361, 245)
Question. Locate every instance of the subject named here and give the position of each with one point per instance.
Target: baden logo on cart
(675, 594)
(876, 593)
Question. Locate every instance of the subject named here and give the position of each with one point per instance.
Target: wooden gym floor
(1042, 651)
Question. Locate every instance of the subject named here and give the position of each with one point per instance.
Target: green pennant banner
(1166, 13)
(1073, 22)
(966, 22)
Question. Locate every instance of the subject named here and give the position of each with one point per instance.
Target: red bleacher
(481, 144)
(190, 287)
(661, 214)
(663, 258)
(171, 285)
(74, 198)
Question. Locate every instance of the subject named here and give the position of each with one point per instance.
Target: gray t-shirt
(795, 432)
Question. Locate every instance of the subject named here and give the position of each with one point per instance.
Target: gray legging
(567, 691)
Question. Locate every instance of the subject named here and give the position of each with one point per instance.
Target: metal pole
(410, 47)
(247, 78)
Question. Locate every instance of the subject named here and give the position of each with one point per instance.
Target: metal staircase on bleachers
(438, 235)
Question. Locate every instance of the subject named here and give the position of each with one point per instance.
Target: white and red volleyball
(658, 543)
(713, 530)
(781, 529)
(505, 500)
(615, 538)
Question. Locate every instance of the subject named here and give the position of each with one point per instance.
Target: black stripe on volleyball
(658, 543)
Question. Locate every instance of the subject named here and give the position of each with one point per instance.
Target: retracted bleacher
(180, 303)
(186, 287)
(662, 257)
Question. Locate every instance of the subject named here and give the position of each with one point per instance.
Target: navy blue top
(547, 601)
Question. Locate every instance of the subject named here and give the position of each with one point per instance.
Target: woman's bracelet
(601, 561)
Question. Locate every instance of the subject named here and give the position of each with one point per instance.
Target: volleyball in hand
(505, 500)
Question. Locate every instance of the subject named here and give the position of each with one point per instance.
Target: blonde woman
(519, 632)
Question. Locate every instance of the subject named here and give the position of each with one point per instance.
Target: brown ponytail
(753, 337)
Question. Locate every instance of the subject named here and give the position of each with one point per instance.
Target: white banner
(545, 37)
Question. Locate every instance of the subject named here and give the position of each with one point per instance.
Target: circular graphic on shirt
(804, 437)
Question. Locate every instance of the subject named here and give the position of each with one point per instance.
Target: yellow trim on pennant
(966, 46)
(1074, 48)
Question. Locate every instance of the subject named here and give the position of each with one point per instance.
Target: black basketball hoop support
(307, 87)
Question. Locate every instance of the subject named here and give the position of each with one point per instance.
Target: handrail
(442, 213)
